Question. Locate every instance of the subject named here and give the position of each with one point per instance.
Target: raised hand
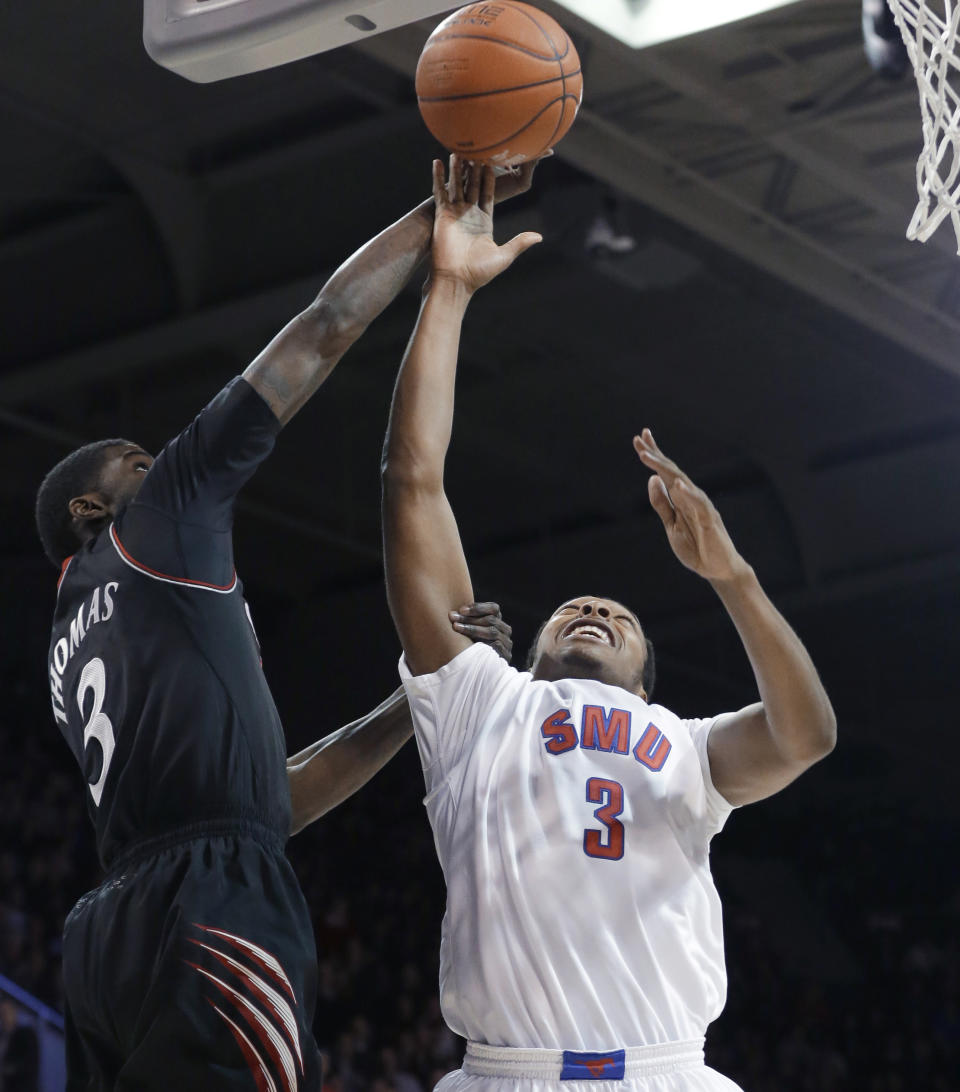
(482, 622)
(694, 528)
(463, 246)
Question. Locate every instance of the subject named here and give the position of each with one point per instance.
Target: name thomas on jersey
(99, 608)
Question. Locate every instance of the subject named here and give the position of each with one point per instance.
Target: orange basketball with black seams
(499, 83)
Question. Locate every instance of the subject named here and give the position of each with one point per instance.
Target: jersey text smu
(605, 730)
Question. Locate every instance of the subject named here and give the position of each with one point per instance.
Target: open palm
(463, 244)
(694, 528)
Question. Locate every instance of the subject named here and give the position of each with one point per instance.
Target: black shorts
(192, 968)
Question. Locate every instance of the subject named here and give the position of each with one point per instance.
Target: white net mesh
(929, 29)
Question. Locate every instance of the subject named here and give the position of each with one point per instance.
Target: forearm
(335, 767)
(798, 713)
(426, 571)
(421, 416)
(294, 365)
(372, 277)
(309, 752)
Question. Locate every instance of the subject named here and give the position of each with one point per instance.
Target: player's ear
(89, 506)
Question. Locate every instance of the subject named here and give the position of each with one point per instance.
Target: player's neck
(548, 670)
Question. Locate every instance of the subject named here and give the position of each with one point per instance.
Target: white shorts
(668, 1067)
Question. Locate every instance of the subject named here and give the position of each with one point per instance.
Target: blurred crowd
(47, 853)
(894, 1030)
(376, 893)
(19, 1049)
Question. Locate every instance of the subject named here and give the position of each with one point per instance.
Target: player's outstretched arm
(427, 575)
(329, 771)
(764, 747)
(335, 767)
(297, 361)
(301, 356)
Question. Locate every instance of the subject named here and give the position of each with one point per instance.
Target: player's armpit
(746, 762)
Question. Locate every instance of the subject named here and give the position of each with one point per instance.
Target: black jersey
(154, 664)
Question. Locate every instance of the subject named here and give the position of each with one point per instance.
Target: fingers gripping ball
(499, 83)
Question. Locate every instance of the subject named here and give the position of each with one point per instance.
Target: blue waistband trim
(581, 1065)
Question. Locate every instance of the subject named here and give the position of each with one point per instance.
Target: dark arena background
(724, 261)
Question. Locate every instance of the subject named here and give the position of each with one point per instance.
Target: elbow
(819, 739)
(403, 471)
(829, 739)
(305, 812)
(826, 730)
(803, 741)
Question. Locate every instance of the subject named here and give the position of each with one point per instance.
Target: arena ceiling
(772, 325)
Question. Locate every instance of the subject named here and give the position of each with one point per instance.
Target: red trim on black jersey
(147, 571)
(263, 959)
(63, 570)
(258, 1068)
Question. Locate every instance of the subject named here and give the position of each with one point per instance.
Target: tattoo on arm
(302, 355)
(276, 390)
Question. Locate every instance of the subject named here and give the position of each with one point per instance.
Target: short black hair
(647, 679)
(78, 473)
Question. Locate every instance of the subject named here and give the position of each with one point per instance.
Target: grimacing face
(593, 638)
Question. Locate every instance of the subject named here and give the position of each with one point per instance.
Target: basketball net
(929, 29)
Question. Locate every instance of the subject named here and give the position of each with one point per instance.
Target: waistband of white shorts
(482, 1060)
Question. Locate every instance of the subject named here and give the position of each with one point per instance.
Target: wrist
(741, 578)
(451, 286)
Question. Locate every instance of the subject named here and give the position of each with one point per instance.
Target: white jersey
(573, 822)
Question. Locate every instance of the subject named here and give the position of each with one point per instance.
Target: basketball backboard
(207, 40)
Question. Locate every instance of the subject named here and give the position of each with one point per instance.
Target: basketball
(499, 83)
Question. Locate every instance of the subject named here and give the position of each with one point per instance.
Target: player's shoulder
(693, 731)
(478, 661)
(681, 725)
(476, 684)
(662, 713)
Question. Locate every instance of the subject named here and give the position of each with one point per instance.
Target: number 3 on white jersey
(98, 726)
(609, 794)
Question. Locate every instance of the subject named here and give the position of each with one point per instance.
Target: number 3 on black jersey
(97, 725)
(610, 795)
